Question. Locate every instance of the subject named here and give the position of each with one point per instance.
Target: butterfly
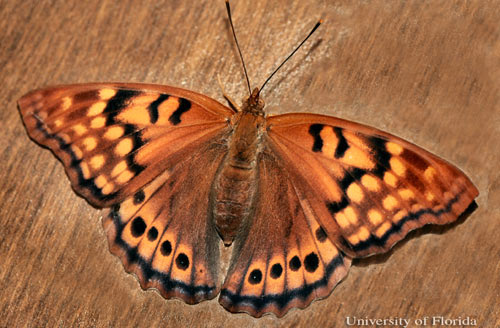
(298, 195)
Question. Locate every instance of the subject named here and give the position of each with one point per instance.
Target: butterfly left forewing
(113, 138)
(367, 187)
(282, 258)
(150, 152)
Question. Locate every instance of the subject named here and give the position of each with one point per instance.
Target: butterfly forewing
(367, 187)
(114, 138)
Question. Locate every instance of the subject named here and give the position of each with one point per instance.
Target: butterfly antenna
(291, 54)
(228, 8)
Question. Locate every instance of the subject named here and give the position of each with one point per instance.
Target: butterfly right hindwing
(282, 257)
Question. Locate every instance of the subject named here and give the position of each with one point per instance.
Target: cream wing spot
(330, 141)
(106, 93)
(58, 123)
(90, 143)
(390, 179)
(98, 122)
(124, 147)
(136, 114)
(406, 194)
(357, 158)
(124, 177)
(97, 162)
(397, 166)
(382, 229)
(66, 103)
(393, 148)
(351, 215)
(119, 168)
(355, 193)
(114, 132)
(85, 170)
(390, 203)
(100, 181)
(375, 217)
(363, 233)
(399, 215)
(96, 108)
(108, 188)
(353, 239)
(416, 207)
(166, 109)
(342, 220)
(77, 151)
(429, 173)
(79, 129)
(370, 183)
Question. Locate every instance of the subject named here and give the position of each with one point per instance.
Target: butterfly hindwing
(164, 234)
(113, 138)
(367, 187)
(282, 257)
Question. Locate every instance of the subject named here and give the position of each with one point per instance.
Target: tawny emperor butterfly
(300, 195)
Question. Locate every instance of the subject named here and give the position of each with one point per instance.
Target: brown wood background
(426, 71)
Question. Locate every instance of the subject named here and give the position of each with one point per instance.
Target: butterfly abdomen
(236, 181)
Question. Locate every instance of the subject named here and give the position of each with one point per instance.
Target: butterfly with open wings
(299, 195)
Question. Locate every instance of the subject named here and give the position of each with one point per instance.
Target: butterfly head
(254, 104)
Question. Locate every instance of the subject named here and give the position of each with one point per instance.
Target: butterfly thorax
(236, 181)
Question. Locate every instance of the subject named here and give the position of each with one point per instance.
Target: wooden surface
(426, 71)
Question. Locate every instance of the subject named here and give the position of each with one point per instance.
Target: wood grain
(426, 71)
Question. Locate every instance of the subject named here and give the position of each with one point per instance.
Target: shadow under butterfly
(299, 195)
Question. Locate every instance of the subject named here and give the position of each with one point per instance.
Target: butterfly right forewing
(368, 188)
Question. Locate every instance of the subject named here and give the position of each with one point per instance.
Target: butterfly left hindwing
(163, 234)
